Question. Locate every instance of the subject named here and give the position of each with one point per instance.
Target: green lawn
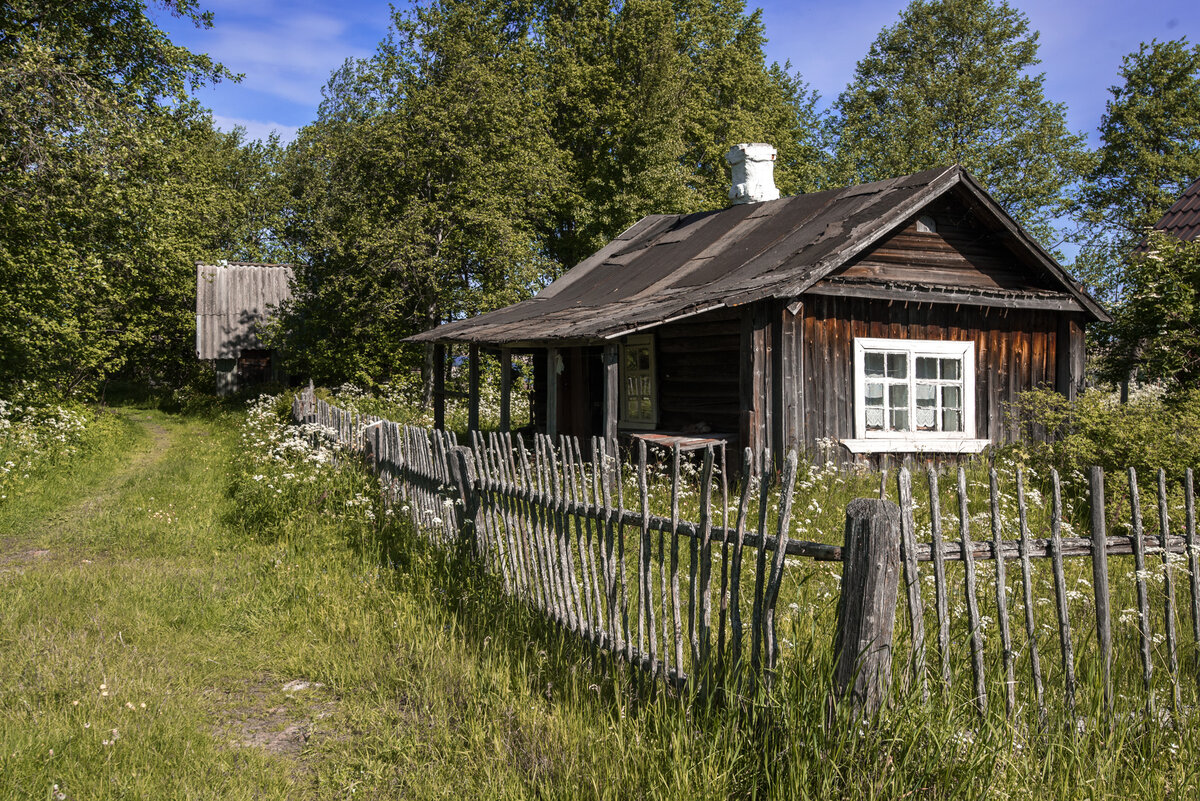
(179, 619)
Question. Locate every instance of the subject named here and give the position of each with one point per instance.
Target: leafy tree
(952, 82)
(1149, 153)
(112, 181)
(647, 98)
(419, 190)
(1155, 334)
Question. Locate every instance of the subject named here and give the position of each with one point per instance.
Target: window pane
(899, 419)
(951, 369)
(898, 396)
(630, 359)
(952, 397)
(926, 397)
(927, 367)
(952, 420)
(631, 407)
(643, 356)
(645, 410)
(875, 418)
(873, 364)
(874, 394)
(897, 365)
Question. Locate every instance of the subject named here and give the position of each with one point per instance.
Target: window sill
(911, 445)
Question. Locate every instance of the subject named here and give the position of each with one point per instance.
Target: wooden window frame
(622, 420)
(914, 441)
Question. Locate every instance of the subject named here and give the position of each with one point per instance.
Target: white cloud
(256, 129)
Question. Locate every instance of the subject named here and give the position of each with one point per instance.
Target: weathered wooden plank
(645, 603)
(704, 613)
(1189, 500)
(939, 576)
(1035, 662)
(1006, 649)
(1060, 595)
(1164, 534)
(735, 583)
(675, 611)
(976, 630)
(867, 605)
(1100, 584)
(505, 389)
(787, 488)
(912, 579)
(760, 563)
(1139, 566)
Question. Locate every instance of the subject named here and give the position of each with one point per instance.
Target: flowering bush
(286, 466)
(34, 436)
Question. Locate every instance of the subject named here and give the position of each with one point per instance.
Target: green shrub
(1151, 431)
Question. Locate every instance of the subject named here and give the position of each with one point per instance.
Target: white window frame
(640, 340)
(914, 441)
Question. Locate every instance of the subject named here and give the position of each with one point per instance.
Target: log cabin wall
(1015, 350)
(698, 373)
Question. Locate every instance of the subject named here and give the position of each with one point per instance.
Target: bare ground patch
(277, 717)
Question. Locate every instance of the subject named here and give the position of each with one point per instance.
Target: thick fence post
(468, 495)
(867, 607)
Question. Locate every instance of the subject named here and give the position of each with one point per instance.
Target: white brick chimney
(753, 173)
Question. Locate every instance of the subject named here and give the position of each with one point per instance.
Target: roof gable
(670, 266)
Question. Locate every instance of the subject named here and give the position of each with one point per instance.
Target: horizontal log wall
(698, 372)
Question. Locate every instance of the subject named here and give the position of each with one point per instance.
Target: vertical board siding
(1015, 350)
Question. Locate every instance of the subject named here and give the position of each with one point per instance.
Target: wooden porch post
(552, 393)
(612, 394)
(439, 386)
(473, 387)
(505, 389)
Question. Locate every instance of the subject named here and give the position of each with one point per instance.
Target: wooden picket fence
(1025, 549)
(574, 537)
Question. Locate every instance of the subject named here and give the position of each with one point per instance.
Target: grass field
(180, 619)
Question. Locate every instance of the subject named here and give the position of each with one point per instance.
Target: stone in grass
(297, 685)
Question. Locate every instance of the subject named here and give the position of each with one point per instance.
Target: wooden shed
(889, 318)
(233, 300)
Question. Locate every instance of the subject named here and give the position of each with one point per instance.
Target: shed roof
(1183, 218)
(232, 299)
(668, 266)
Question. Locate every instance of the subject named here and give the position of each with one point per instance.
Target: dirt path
(15, 552)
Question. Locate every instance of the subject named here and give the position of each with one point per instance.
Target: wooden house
(233, 300)
(893, 317)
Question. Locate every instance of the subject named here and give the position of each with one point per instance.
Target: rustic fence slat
(760, 563)
(976, 630)
(1143, 598)
(542, 515)
(1060, 595)
(616, 633)
(1100, 584)
(572, 495)
(646, 585)
(723, 615)
(735, 581)
(627, 635)
(525, 481)
(1168, 591)
(1006, 649)
(520, 519)
(676, 616)
(1035, 661)
(939, 575)
(787, 490)
(590, 520)
(912, 579)
(704, 613)
(1189, 500)
(563, 535)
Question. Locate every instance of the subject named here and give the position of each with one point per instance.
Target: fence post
(867, 606)
(463, 468)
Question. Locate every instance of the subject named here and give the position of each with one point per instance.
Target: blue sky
(286, 50)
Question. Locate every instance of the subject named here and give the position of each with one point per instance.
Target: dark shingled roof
(1183, 218)
(668, 266)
